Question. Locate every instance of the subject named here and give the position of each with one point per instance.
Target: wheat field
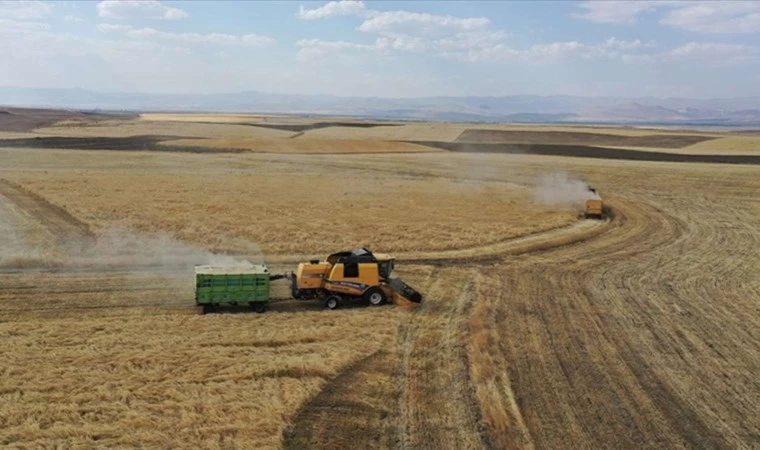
(538, 329)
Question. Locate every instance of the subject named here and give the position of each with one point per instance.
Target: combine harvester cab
(352, 274)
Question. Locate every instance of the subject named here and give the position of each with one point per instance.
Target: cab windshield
(386, 267)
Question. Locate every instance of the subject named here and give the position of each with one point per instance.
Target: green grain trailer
(232, 285)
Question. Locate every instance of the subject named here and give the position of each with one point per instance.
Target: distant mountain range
(744, 112)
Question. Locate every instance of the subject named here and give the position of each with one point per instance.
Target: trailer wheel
(208, 308)
(259, 307)
(333, 302)
(375, 296)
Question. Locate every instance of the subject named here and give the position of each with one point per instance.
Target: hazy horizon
(410, 97)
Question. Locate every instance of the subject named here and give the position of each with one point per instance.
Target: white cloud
(315, 49)
(19, 26)
(624, 11)
(110, 28)
(332, 44)
(554, 50)
(728, 17)
(256, 39)
(720, 52)
(491, 49)
(333, 9)
(401, 42)
(420, 23)
(483, 46)
(124, 9)
(72, 18)
(698, 55)
(403, 31)
(619, 44)
(186, 38)
(716, 17)
(474, 46)
(24, 10)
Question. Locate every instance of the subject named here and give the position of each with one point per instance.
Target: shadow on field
(292, 305)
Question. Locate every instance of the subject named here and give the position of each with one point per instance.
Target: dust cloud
(561, 191)
(15, 247)
(118, 249)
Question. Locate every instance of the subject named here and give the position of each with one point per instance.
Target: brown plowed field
(21, 119)
(317, 125)
(538, 330)
(585, 151)
(131, 143)
(660, 140)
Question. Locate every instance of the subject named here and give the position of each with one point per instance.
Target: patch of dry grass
(125, 128)
(305, 146)
(201, 117)
(404, 132)
(221, 381)
(301, 214)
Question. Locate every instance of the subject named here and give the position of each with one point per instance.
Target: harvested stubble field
(538, 330)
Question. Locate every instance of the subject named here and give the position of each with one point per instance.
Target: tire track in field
(59, 222)
(627, 341)
(579, 231)
(439, 404)
(414, 396)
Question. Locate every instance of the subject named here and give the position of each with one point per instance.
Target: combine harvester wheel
(333, 302)
(375, 297)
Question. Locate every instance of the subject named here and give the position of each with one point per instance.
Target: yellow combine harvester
(354, 274)
(594, 206)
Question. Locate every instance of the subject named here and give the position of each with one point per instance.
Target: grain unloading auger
(354, 274)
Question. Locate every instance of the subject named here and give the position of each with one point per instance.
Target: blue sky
(386, 49)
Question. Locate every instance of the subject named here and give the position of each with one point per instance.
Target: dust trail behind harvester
(118, 249)
(561, 191)
(16, 248)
